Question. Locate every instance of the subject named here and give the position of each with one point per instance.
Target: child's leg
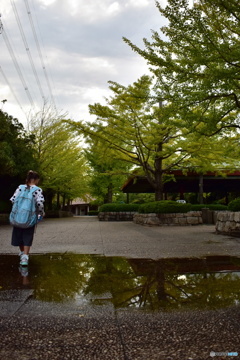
(27, 239)
(17, 239)
(26, 249)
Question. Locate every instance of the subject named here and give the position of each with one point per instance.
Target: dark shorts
(22, 237)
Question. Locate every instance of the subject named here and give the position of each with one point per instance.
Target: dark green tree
(17, 150)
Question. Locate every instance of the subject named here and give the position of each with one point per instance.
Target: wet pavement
(97, 290)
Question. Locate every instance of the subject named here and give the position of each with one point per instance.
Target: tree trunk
(157, 184)
(158, 177)
(68, 205)
(159, 191)
(49, 195)
(109, 195)
(201, 189)
(64, 200)
(58, 200)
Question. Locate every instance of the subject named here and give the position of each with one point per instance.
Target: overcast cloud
(82, 48)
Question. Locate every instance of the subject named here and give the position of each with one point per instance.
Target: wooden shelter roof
(212, 182)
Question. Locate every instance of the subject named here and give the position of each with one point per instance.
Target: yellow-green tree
(63, 167)
(149, 134)
(195, 59)
(108, 172)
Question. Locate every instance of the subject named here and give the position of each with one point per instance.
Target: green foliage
(16, 147)
(93, 212)
(4, 219)
(58, 214)
(199, 207)
(234, 205)
(95, 203)
(187, 114)
(133, 128)
(5, 206)
(119, 207)
(141, 198)
(139, 131)
(63, 167)
(195, 59)
(107, 174)
(17, 155)
(164, 207)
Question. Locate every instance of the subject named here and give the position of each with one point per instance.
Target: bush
(5, 207)
(4, 219)
(234, 205)
(57, 214)
(93, 212)
(164, 207)
(119, 207)
(199, 207)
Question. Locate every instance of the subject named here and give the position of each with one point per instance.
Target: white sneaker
(24, 260)
(20, 253)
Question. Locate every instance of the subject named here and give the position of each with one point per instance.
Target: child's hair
(32, 175)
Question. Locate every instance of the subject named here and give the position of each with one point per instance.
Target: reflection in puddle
(166, 284)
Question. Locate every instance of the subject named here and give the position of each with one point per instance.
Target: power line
(42, 45)
(27, 48)
(17, 67)
(10, 87)
(1, 25)
(39, 50)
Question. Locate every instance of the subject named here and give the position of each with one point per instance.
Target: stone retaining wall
(228, 222)
(116, 216)
(175, 219)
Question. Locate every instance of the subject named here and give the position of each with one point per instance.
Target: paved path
(34, 330)
(85, 235)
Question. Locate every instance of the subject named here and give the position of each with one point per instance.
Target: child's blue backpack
(23, 214)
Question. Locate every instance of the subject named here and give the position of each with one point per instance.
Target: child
(24, 237)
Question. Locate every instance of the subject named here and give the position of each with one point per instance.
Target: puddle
(166, 284)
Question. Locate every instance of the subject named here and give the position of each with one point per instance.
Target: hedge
(93, 212)
(57, 214)
(164, 207)
(234, 205)
(119, 207)
(199, 207)
(4, 219)
(5, 207)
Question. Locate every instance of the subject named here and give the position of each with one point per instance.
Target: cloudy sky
(68, 50)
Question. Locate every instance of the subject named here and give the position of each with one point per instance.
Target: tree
(63, 166)
(108, 172)
(147, 135)
(17, 147)
(16, 154)
(196, 61)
